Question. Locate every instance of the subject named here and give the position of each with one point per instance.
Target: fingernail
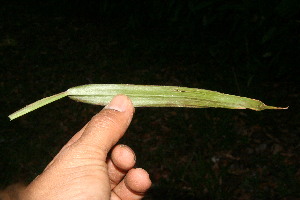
(118, 103)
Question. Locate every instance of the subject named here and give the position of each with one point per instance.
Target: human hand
(81, 170)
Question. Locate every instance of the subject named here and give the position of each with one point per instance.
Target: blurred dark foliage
(263, 34)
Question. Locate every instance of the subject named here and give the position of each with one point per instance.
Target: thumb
(108, 126)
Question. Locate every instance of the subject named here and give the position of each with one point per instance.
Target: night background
(247, 48)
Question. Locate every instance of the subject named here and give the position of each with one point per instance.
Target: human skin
(82, 169)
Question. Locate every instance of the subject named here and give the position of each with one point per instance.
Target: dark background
(248, 48)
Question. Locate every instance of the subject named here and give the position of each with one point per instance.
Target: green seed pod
(150, 96)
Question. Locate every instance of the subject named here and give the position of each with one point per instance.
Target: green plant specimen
(150, 96)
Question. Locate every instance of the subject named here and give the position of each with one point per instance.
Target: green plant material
(36, 105)
(150, 96)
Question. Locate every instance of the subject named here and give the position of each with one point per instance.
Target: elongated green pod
(150, 96)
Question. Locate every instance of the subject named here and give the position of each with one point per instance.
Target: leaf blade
(163, 96)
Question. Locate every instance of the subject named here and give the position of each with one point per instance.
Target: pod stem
(37, 105)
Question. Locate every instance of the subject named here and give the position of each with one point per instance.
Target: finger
(108, 126)
(122, 159)
(133, 186)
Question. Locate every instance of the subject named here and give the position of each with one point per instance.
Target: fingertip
(138, 180)
(120, 103)
(133, 186)
(123, 157)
